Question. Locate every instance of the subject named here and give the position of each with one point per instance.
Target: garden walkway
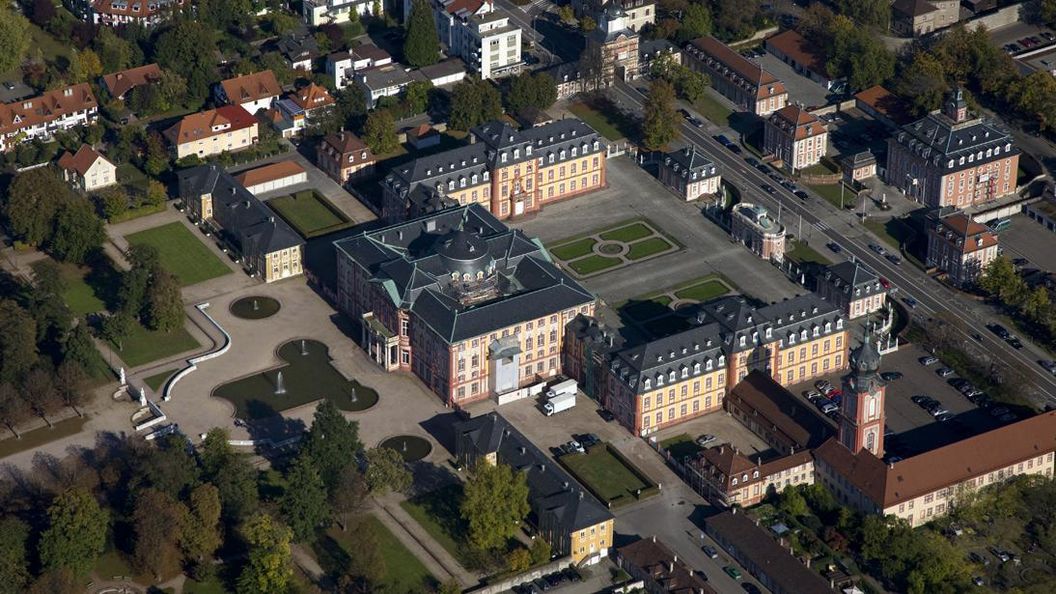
(435, 558)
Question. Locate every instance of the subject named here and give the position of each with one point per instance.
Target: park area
(309, 213)
(143, 345)
(403, 572)
(613, 247)
(181, 253)
(609, 476)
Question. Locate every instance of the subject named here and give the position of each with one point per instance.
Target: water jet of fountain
(255, 306)
(304, 348)
(353, 394)
(280, 386)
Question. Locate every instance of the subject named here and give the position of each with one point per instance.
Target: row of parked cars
(579, 444)
(549, 582)
(967, 389)
(1003, 333)
(781, 181)
(1033, 41)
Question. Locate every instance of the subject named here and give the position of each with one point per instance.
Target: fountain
(410, 447)
(353, 394)
(405, 446)
(304, 348)
(280, 386)
(256, 306)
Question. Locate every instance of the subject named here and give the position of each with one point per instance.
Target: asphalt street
(842, 227)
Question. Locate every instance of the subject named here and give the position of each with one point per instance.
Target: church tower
(862, 409)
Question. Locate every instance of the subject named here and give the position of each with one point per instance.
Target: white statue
(121, 374)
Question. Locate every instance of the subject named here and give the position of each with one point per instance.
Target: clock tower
(862, 409)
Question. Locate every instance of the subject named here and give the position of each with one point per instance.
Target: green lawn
(704, 291)
(99, 372)
(212, 585)
(603, 473)
(712, 109)
(680, 446)
(628, 233)
(309, 213)
(404, 573)
(894, 232)
(38, 437)
(438, 513)
(157, 381)
(611, 128)
(831, 193)
(592, 264)
(181, 253)
(648, 247)
(144, 346)
(803, 253)
(575, 249)
(79, 296)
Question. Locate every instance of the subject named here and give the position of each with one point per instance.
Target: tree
(923, 83)
(348, 494)
(268, 570)
(871, 14)
(540, 551)
(304, 505)
(416, 96)
(78, 232)
(14, 566)
(38, 388)
(33, 202)
(76, 533)
(495, 504)
(114, 52)
(164, 302)
(111, 202)
(793, 503)
(157, 519)
(18, 349)
(696, 22)
(188, 50)
(386, 471)
(14, 410)
(232, 474)
(660, 125)
(116, 328)
(474, 102)
(85, 66)
(171, 467)
(157, 159)
(566, 14)
(200, 533)
(79, 348)
(58, 581)
(531, 90)
(518, 560)
(331, 443)
(71, 382)
(366, 567)
(1035, 97)
(156, 193)
(42, 12)
(14, 38)
(587, 24)
(421, 47)
(379, 133)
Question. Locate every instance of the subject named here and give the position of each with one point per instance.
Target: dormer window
(516, 153)
(503, 157)
(685, 372)
(722, 360)
(561, 155)
(671, 376)
(461, 182)
(839, 323)
(451, 184)
(816, 330)
(550, 158)
(791, 338)
(574, 151)
(742, 340)
(769, 332)
(708, 365)
(734, 481)
(474, 179)
(803, 334)
(528, 150)
(659, 379)
(486, 176)
(696, 368)
(828, 327)
(648, 383)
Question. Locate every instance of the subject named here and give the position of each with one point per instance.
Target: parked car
(943, 417)
(958, 383)
(977, 558)
(734, 148)
(1000, 331)
(705, 439)
(1014, 343)
(696, 122)
(812, 395)
(944, 372)
(751, 161)
(893, 258)
(823, 385)
(606, 415)
(979, 581)
(685, 113)
(890, 376)
(572, 575)
(541, 584)
(732, 571)
(1048, 365)
(928, 360)
(1001, 555)
(723, 140)
(879, 249)
(710, 552)
(834, 247)
(801, 194)
(751, 588)
(575, 446)
(588, 440)
(922, 399)
(885, 283)
(829, 407)
(769, 189)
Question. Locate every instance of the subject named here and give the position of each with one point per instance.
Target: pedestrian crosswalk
(820, 226)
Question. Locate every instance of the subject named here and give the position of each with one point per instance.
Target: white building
(384, 82)
(342, 66)
(322, 12)
(479, 34)
(40, 117)
(87, 170)
(253, 92)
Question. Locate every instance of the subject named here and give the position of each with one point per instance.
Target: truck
(559, 402)
(568, 386)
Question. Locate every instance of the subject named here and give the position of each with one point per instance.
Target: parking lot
(1021, 37)
(1027, 239)
(800, 88)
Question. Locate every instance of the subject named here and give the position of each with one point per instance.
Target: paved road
(829, 225)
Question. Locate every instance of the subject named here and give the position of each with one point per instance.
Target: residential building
(949, 158)
(615, 45)
(767, 560)
(343, 156)
(118, 84)
(42, 116)
(915, 18)
(853, 288)
(660, 569)
(663, 382)
(471, 307)
(143, 13)
(754, 227)
(342, 66)
(571, 80)
(296, 111)
(735, 77)
(267, 245)
(384, 81)
(275, 176)
(324, 12)
(791, 48)
(87, 170)
(651, 50)
(444, 73)
(689, 173)
(728, 477)
(796, 137)
(253, 92)
(509, 172)
(960, 247)
(639, 12)
(858, 166)
(299, 49)
(883, 105)
(211, 132)
(481, 35)
(563, 513)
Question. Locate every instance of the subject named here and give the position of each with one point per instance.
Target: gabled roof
(82, 161)
(795, 46)
(969, 235)
(853, 274)
(268, 173)
(251, 87)
(345, 142)
(119, 83)
(797, 122)
(52, 105)
(664, 567)
(312, 96)
(767, 85)
(200, 125)
(913, 8)
(782, 411)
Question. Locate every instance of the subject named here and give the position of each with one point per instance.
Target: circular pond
(255, 307)
(411, 447)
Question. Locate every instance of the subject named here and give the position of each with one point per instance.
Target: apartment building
(481, 35)
(252, 92)
(87, 170)
(471, 307)
(856, 290)
(143, 13)
(729, 477)
(211, 132)
(342, 66)
(796, 137)
(754, 228)
(690, 173)
(564, 513)
(42, 116)
(343, 156)
(735, 77)
(960, 247)
(507, 171)
(324, 12)
(916, 18)
(949, 158)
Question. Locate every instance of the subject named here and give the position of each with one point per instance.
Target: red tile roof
(50, 106)
(795, 46)
(268, 173)
(885, 103)
(312, 96)
(81, 161)
(974, 236)
(251, 87)
(804, 122)
(200, 125)
(741, 65)
(119, 83)
(345, 142)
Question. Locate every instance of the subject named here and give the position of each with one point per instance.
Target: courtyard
(610, 477)
(309, 213)
(656, 314)
(181, 253)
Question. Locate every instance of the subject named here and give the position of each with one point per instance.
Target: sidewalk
(435, 558)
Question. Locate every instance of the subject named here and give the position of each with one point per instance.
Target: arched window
(451, 184)
(870, 441)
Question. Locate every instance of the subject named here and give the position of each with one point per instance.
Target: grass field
(712, 109)
(574, 249)
(680, 446)
(38, 437)
(704, 291)
(647, 247)
(144, 346)
(592, 264)
(181, 253)
(309, 213)
(611, 128)
(79, 296)
(831, 193)
(438, 513)
(404, 573)
(603, 473)
(628, 233)
(803, 253)
(157, 381)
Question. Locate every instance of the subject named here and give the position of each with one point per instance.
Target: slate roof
(939, 139)
(551, 491)
(657, 561)
(694, 351)
(691, 160)
(848, 276)
(414, 262)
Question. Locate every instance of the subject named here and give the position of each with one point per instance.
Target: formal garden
(655, 314)
(620, 245)
(609, 476)
(309, 213)
(181, 253)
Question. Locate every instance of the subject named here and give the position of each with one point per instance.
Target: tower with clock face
(862, 409)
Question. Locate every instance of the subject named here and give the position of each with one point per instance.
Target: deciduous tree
(14, 566)
(111, 202)
(14, 409)
(304, 504)
(188, 49)
(660, 125)
(348, 495)
(164, 302)
(157, 519)
(86, 66)
(923, 83)
(386, 471)
(269, 568)
(32, 203)
(474, 102)
(421, 47)
(200, 535)
(76, 533)
(38, 388)
(495, 504)
(696, 22)
(14, 38)
(531, 90)
(78, 232)
(232, 474)
(379, 133)
(71, 382)
(18, 349)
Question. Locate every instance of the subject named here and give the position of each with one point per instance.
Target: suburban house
(324, 12)
(853, 288)
(441, 295)
(384, 81)
(756, 229)
(211, 132)
(960, 247)
(42, 116)
(342, 66)
(343, 156)
(253, 92)
(660, 569)
(87, 170)
(689, 173)
(567, 516)
(118, 84)
(481, 35)
(796, 137)
(143, 13)
(294, 112)
(735, 77)
(299, 49)
(275, 176)
(268, 246)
